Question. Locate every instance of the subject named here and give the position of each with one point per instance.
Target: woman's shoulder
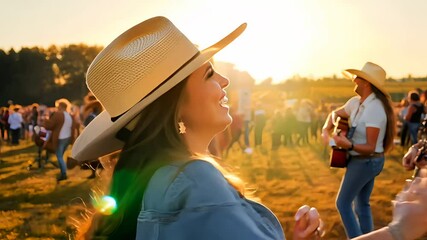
(194, 183)
(197, 168)
(354, 99)
(201, 176)
(190, 169)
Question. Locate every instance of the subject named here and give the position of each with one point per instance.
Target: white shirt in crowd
(15, 120)
(66, 127)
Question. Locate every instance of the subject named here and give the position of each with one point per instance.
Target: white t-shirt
(371, 114)
(66, 127)
(15, 120)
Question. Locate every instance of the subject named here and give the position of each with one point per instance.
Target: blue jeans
(62, 146)
(16, 135)
(413, 131)
(356, 186)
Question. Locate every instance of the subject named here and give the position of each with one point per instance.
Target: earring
(181, 127)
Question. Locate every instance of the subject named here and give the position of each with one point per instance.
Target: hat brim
(98, 138)
(351, 73)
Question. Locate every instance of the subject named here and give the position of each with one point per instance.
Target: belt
(373, 155)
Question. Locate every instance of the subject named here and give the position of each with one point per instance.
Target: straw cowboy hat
(372, 73)
(131, 72)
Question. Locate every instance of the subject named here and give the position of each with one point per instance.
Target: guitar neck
(416, 172)
(419, 157)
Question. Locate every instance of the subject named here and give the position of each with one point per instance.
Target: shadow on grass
(19, 176)
(6, 164)
(59, 197)
(19, 150)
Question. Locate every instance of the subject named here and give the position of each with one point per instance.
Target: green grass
(34, 206)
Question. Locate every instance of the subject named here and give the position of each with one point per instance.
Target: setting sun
(134, 119)
(275, 43)
(284, 38)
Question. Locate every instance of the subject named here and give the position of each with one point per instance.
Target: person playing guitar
(371, 132)
(416, 156)
(339, 156)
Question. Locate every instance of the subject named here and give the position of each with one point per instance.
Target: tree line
(42, 75)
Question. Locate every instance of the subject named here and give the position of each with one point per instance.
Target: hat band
(113, 119)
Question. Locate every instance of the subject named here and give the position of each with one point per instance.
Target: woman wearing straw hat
(164, 103)
(373, 129)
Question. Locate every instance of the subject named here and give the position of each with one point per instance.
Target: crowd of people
(52, 129)
(299, 123)
(166, 183)
(411, 114)
(163, 111)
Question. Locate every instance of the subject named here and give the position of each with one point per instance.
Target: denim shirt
(196, 202)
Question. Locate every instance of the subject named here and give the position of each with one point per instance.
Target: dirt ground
(34, 206)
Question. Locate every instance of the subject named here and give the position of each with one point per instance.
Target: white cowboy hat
(372, 73)
(131, 72)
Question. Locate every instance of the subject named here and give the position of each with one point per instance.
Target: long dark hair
(391, 120)
(153, 143)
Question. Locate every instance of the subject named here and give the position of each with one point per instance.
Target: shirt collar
(369, 98)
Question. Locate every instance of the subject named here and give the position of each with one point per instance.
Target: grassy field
(34, 206)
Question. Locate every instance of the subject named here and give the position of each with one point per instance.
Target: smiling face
(203, 109)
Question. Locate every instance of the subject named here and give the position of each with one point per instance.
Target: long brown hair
(153, 143)
(391, 119)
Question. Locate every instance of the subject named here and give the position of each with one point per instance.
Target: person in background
(289, 126)
(91, 110)
(33, 119)
(2, 123)
(371, 134)
(409, 213)
(404, 138)
(235, 130)
(5, 120)
(161, 112)
(414, 114)
(277, 129)
(77, 118)
(423, 100)
(260, 119)
(15, 121)
(9, 109)
(63, 129)
(303, 114)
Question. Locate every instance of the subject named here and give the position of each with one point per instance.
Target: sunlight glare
(105, 205)
(275, 43)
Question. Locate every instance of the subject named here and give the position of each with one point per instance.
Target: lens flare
(105, 205)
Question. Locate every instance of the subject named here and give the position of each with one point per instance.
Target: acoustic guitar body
(338, 158)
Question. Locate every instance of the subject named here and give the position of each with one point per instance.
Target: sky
(284, 38)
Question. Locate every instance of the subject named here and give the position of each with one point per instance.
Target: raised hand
(308, 224)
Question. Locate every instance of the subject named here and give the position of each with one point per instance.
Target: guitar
(338, 157)
(422, 154)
